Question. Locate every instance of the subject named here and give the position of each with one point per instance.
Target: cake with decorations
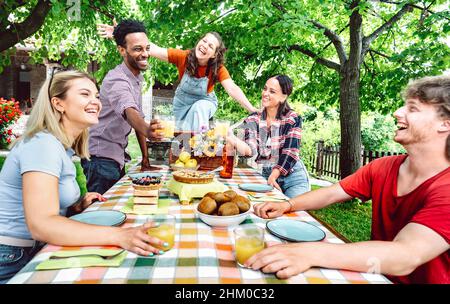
(146, 193)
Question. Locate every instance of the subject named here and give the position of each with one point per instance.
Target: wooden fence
(325, 163)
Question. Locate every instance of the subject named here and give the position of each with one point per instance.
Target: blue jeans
(101, 173)
(293, 184)
(13, 259)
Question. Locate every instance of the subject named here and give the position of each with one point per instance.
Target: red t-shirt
(428, 205)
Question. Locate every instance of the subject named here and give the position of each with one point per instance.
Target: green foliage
(317, 126)
(377, 132)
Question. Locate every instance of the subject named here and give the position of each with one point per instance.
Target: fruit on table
(179, 163)
(190, 163)
(228, 209)
(184, 156)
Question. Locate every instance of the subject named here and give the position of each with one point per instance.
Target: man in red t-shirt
(410, 202)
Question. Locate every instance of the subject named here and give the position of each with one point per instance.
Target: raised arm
(236, 93)
(106, 31)
(413, 246)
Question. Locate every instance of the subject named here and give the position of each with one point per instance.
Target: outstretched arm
(311, 200)
(236, 93)
(106, 31)
(413, 246)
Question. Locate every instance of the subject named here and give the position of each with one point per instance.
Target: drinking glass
(249, 240)
(221, 127)
(165, 231)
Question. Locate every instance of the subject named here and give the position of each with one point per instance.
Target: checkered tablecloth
(201, 254)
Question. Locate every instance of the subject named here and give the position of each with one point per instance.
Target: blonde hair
(44, 117)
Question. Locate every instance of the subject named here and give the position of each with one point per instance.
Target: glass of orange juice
(221, 128)
(249, 240)
(168, 126)
(165, 231)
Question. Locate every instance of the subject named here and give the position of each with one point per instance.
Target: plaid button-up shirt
(280, 147)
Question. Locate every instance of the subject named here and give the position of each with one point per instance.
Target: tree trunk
(350, 120)
(350, 112)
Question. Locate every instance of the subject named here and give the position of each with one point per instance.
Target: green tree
(354, 54)
(60, 30)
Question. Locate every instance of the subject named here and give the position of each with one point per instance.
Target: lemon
(191, 163)
(184, 156)
(179, 163)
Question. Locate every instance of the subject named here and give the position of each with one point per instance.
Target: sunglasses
(55, 70)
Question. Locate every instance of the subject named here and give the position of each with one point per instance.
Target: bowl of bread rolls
(222, 209)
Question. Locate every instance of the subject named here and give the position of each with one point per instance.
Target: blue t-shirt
(43, 153)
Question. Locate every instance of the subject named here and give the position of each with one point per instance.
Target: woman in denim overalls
(199, 69)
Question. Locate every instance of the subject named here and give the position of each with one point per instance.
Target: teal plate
(256, 187)
(295, 231)
(143, 174)
(101, 217)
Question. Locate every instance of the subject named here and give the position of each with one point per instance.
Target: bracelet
(290, 204)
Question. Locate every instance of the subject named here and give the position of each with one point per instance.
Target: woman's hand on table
(284, 260)
(272, 180)
(91, 197)
(86, 200)
(137, 240)
(271, 209)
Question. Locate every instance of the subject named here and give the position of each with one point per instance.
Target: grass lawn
(351, 219)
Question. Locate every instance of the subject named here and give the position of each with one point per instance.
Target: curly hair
(213, 63)
(432, 90)
(126, 27)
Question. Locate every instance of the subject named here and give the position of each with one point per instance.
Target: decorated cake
(146, 183)
(146, 193)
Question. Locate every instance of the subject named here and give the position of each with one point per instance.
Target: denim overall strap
(192, 105)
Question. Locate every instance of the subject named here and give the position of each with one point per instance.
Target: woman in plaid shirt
(274, 136)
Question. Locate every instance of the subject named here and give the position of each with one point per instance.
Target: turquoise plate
(143, 174)
(295, 231)
(101, 217)
(256, 187)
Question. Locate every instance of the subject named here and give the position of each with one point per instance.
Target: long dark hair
(213, 63)
(286, 87)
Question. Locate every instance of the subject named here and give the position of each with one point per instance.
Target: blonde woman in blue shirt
(38, 185)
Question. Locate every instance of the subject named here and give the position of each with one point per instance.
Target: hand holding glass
(165, 231)
(249, 240)
(168, 126)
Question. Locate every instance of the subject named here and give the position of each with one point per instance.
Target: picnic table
(201, 254)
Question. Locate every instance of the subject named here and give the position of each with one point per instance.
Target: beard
(411, 136)
(133, 62)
